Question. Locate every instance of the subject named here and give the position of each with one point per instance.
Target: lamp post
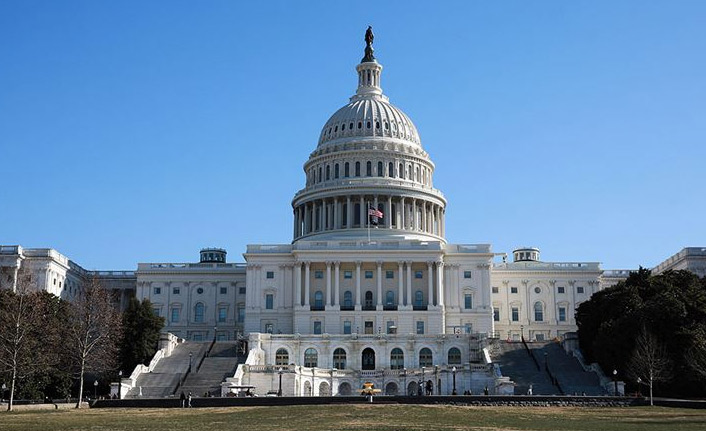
(615, 381)
(438, 381)
(422, 385)
(453, 371)
(120, 384)
(4, 388)
(95, 389)
(279, 391)
(191, 356)
(404, 375)
(522, 332)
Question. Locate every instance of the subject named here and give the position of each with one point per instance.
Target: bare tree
(21, 315)
(650, 361)
(94, 332)
(696, 357)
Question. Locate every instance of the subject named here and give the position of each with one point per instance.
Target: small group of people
(185, 400)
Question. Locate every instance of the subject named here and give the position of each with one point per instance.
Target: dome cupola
(369, 160)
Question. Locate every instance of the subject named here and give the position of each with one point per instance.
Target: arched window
(336, 171)
(357, 169)
(417, 174)
(418, 298)
(396, 359)
(319, 300)
(381, 171)
(311, 358)
(390, 169)
(425, 357)
(538, 312)
(347, 170)
(368, 299)
(454, 356)
(198, 312)
(400, 171)
(347, 298)
(282, 357)
(319, 180)
(390, 298)
(339, 359)
(328, 172)
(368, 359)
(369, 169)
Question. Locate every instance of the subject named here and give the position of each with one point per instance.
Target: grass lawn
(359, 417)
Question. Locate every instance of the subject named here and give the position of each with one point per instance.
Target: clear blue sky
(143, 131)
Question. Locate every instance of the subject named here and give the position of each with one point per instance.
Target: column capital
(379, 263)
(572, 283)
(440, 263)
(329, 263)
(552, 282)
(337, 263)
(506, 282)
(525, 282)
(358, 263)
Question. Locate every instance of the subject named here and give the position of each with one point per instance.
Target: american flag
(374, 213)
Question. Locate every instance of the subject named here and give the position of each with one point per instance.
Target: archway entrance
(324, 390)
(344, 388)
(412, 388)
(391, 388)
(368, 359)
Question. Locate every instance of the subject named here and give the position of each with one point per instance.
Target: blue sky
(143, 131)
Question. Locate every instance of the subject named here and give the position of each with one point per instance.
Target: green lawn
(359, 417)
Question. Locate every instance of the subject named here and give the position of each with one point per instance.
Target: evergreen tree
(142, 327)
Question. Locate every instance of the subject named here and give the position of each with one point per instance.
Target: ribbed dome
(369, 116)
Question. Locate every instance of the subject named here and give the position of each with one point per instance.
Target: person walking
(189, 399)
(183, 399)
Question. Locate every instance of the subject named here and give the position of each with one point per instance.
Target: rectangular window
(468, 301)
(466, 274)
(222, 314)
(368, 274)
(513, 290)
(468, 328)
(224, 290)
(391, 328)
(175, 290)
(270, 274)
(346, 326)
(318, 274)
(420, 327)
(389, 274)
(418, 274)
(515, 314)
(495, 289)
(157, 290)
(317, 327)
(241, 291)
(269, 301)
(175, 315)
(347, 274)
(562, 314)
(496, 314)
(269, 328)
(241, 313)
(560, 289)
(369, 327)
(579, 289)
(156, 311)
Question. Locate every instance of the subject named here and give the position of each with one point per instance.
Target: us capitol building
(369, 289)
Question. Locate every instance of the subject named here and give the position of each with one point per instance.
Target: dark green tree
(141, 334)
(670, 306)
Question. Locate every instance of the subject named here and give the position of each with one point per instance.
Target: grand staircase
(218, 364)
(565, 376)
(168, 372)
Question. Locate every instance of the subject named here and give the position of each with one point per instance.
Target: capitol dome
(369, 160)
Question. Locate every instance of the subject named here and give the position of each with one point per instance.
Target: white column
(327, 298)
(440, 282)
(409, 283)
(336, 224)
(349, 213)
(307, 282)
(402, 224)
(307, 220)
(357, 285)
(294, 223)
(388, 217)
(362, 211)
(297, 284)
(14, 278)
(424, 216)
(337, 284)
(414, 214)
(400, 285)
(379, 276)
(430, 283)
